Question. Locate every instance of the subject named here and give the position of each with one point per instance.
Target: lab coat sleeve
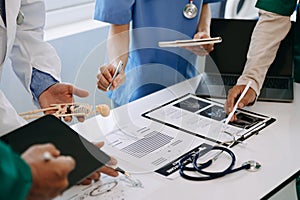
(16, 179)
(29, 50)
(9, 118)
(263, 47)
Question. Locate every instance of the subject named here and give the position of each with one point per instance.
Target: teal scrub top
(150, 67)
(15, 175)
(286, 8)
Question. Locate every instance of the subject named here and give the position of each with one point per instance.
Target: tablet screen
(49, 129)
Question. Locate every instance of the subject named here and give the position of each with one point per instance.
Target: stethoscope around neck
(190, 10)
(205, 175)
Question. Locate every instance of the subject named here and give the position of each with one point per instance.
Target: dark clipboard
(49, 129)
(242, 138)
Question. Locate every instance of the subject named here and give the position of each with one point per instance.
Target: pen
(47, 156)
(237, 103)
(118, 70)
(118, 169)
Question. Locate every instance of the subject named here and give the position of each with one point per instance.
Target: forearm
(118, 43)
(40, 81)
(266, 37)
(205, 18)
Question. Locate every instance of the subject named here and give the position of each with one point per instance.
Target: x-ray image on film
(205, 118)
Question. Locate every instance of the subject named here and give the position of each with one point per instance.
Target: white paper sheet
(147, 148)
(110, 188)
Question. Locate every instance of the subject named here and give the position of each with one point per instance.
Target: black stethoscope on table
(205, 175)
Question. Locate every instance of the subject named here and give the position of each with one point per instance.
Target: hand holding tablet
(49, 129)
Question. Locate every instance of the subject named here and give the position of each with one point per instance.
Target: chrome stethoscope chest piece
(190, 10)
(254, 166)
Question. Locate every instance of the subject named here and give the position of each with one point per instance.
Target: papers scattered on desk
(113, 188)
(205, 119)
(192, 42)
(144, 149)
(155, 142)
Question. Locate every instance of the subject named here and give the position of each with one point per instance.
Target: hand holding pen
(110, 77)
(116, 73)
(238, 97)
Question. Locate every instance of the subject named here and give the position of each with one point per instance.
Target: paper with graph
(175, 128)
(147, 148)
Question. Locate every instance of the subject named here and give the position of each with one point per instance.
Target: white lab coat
(23, 44)
(247, 11)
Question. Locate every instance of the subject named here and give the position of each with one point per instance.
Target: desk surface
(275, 147)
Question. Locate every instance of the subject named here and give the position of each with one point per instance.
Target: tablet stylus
(237, 103)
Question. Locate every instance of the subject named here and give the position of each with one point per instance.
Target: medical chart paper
(156, 141)
(114, 188)
(142, 150)
(205, 119)
(141, 146)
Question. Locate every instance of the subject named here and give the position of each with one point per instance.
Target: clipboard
(49, 129)
(208, 112)
(192, 42)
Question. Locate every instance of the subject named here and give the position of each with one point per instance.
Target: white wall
(73, 51)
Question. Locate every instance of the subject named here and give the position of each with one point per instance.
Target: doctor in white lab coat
(37, 65)
(21, 41)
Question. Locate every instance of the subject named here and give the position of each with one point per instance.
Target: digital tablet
(49, 129)
(192, 42)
